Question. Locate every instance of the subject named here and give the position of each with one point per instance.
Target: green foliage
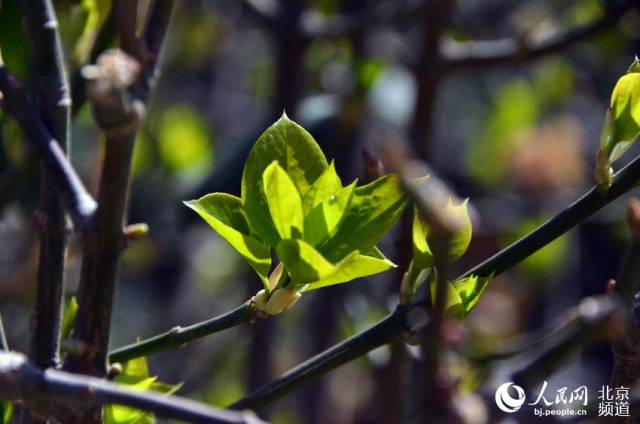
(457, 245)
(294, 202)
(135, 376)
(225, 214)
(68, 317)
(6, 411)
(462, 295)
(300, 157)
(621, 125)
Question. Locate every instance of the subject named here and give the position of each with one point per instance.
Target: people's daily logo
(510, 397)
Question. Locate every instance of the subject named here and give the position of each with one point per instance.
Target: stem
(58, 394)
(577, 212)
(332, 358)
(178, 336)
(75, 197)
(54, 102)
(380, 334)
(119, 103)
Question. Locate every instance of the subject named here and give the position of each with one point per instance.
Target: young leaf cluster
(462, 295)
(293, 203)
(621, 124)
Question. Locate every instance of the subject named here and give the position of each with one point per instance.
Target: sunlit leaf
(422, 256)
(352, 267)
(625, 116)
(323, 220)
(6, 411)
(283, 200)
(470, 290)
(296, 152)
(224, 213)
(304, 263)
(460, 240)
(135, 376)
(68, 318)
(374, 209)
(327, 185)
(454, 306)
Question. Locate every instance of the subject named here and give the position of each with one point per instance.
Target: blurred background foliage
(518, 139)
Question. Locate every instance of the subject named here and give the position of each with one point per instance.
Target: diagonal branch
(476, 54)
(75, 196)
(397, 323)
(178, 336)
(63, 395)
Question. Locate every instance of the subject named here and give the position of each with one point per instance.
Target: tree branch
(389, 328)
(380, 334)
(580, 210)
(178, 336)
(54, 101)
(75, 197)
(118, 90)
(63, 394)
(476, 54)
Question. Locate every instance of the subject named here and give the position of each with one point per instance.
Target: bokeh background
(517, 137)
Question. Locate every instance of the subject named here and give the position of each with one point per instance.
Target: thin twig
(75, 196)
(178, 336)
(474, 54)
(4, 345)
(624, 180)
(63, 394)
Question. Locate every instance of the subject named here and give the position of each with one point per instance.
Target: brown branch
(476, 54)
(118, 89)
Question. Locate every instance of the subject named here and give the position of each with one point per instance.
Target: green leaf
(422, 256)
(296, 152)
(310, 270)
(470, 290)
(6, 410)
(625, 113)
(283, 200)
(224, 213)
(68, 318)
(458, 244)
(352, 267)
(454, 306)
(135, 376)
(327, 185)
(323, 220)
(374, 209)
(304, 263)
